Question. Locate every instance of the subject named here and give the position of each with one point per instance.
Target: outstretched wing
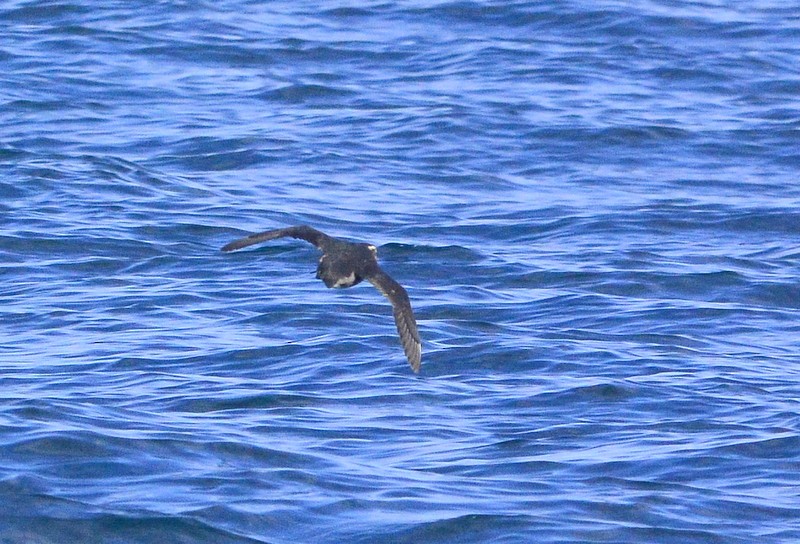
(403, 315)
(302, 232)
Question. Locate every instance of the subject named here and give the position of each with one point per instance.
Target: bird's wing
(302, 232)
(403, 315)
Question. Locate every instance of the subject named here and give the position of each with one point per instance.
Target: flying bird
(344, 264)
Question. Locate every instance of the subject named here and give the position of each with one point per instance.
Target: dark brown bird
(344, 264)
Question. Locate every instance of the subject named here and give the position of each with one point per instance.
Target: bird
(345, 264)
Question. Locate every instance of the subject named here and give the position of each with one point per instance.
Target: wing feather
(301, 232)
(403, 316)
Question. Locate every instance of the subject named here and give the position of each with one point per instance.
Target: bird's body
(344, 264)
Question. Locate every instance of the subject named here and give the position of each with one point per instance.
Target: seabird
(344, 264)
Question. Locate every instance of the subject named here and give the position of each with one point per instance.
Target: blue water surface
(594, 207)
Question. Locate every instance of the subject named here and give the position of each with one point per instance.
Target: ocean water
(594, 207)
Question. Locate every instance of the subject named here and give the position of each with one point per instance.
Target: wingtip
(246, 241)
(239, 243)
(415, 358)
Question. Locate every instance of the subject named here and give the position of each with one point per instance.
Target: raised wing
(403, 316)
(301, 232)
